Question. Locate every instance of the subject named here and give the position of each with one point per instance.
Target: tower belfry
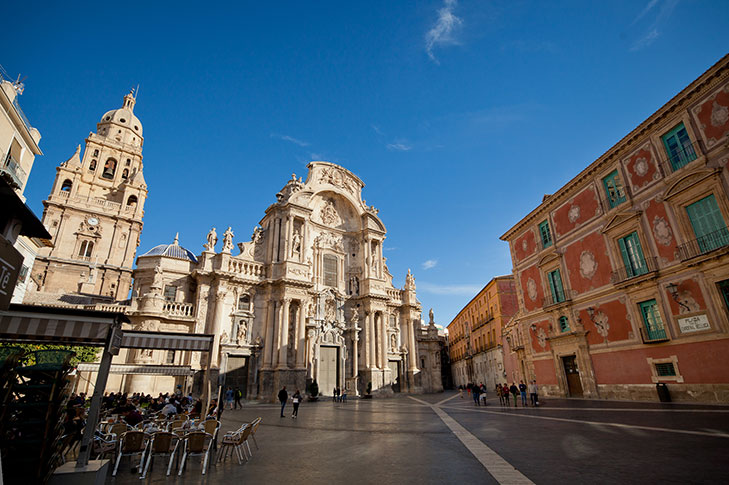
(94, 212)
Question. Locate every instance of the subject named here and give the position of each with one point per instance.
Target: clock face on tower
(93, 221)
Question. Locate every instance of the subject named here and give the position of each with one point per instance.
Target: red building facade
(622, 275)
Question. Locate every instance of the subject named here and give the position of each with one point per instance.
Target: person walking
(534, 393)
(475, 392)
(229, 398)
(237, 394)
(498, 393)
(283, 396)
(522, 392)
(505, 393)
(460, 391)
(296, 400)
(514, 390)
(482, 392)
(335, 393)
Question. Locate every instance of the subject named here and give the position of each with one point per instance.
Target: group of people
(233, 397)
(477, 391)
(519, 391)
(339, 395)
(283, 397)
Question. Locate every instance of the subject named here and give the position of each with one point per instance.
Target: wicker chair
(132, 443)
(211, 427)
(163, 443)
(233, 441)
(254, 428)
(197, 443)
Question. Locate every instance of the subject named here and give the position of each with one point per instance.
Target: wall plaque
(695, 323)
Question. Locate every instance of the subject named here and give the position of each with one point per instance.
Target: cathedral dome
(124, 116)
(173, 250)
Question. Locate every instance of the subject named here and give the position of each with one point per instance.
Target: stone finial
(176, 242)
(75, 160)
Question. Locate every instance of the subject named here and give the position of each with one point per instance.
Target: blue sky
(458, 115)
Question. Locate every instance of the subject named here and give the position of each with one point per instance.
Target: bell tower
(94, 212)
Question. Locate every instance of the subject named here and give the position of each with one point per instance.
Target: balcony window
(86, 249)
(330, 270)
(170, 293)
(545, 234)
(635, 264)
(708, 224)
(614, 189)
(724, 291)
(652, 322)
(678, 146)
(555, 286)
(244, 303)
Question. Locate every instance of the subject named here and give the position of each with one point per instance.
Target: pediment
(548, 258)
(619, 219)
(688, 181)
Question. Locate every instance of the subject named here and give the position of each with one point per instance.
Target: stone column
(383, 342)
(372, 341)
(301, 336)
(269, 336)
(413, 350)
(366, 341)
(284, 333)
(217, 325)
(367, 259)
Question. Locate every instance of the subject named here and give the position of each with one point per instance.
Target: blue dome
(173, 250)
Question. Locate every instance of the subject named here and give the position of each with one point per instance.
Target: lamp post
(673, 291)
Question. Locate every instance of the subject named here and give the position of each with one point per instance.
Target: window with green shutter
(614, 189)
(724, 290)
(679, 147)
(546, 234)
(632, 253)
(652, 321)
(555, 286)
(708, 224)
(564, 324)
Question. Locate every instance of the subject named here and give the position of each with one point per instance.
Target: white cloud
(438, 289)
(431, 263)
(645, 41)
(377, 130)
(388, 248)
(645, 10)
(653, 30)
(442, 33)
(291, 139)
(400, 147)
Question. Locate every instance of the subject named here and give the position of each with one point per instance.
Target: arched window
(129, 162)
(66, 186)
(92, 165)
(132, 201)
(125, 173)
(85, 249)
(109, 169)
(330, 263)
(244, 302)
(96, 153)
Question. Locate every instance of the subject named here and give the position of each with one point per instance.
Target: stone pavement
(441, 438)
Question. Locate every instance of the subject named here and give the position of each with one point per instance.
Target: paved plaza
(441, 438)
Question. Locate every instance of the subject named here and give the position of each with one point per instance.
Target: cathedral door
(395, 373)
(328, 369)
(236, 374)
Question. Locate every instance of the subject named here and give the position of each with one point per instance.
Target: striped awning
(29, 326)
(126, 369)
(167, 341)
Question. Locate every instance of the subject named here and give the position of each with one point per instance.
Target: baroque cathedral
(308, 297)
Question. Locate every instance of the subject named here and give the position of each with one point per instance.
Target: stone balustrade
(247, 268)
(394, 294)
(178, 309)
(107, 307)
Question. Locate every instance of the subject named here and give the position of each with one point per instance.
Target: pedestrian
(460, 391)
(476, 397)
(505, 393)
(237, 394)
(343, 395)
(522, 392)
(514, 391)
(283, 396)
(497, 389)
(482, 392)
(229, 398)
(334, 395)
(534, 393)
(296, 401)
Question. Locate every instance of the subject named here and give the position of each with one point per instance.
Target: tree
(83, 353)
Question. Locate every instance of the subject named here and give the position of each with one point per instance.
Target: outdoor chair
(163, 443)
(254, 428)
(211, 427)
(233, 441)
(102, 446)
(131, 443)
(177, 423)
(116, 430)
(197, 443)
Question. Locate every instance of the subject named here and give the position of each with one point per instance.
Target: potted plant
(313, 391)
(369, 391)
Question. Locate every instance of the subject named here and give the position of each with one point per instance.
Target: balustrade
(247, 268)
(178, 309)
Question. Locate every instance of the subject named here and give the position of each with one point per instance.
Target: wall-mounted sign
(10, 263)
(694, 323)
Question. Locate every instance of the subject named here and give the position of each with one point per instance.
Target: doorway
(236, 374)
(328, 369)
(574, 385)
(395, 373)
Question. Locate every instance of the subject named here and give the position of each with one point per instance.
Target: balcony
(705, 244)
(13, 169)
(648, 266)
(558, 299)
(653, 336)
(680, 158)
(178, 309)
(483, 322)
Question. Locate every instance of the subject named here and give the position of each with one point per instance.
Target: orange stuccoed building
(622, 275)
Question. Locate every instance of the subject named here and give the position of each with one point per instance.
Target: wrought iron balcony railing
(13, 169)
(681, 157)
(551, 300)
(648, 265)
(704, 244)
(654, 335)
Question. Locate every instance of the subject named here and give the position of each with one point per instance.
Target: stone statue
(242, 333)
(157, 282)
(409, 281)
(353, 285)
(212, 240)
(227, 240)
(354, 319)
(430, 314)
(296, 243)
(224, 338)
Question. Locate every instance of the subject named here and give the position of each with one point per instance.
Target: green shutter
(614, 189)
(708, 224)
(632, 254)
(652, 320)
(555, 286)
(564, 324)
(545, 234)
(678, 146)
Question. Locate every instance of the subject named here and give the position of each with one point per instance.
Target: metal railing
(653, 335)
(12, 167)
(551, 300)
(648, 265)
(704, 244)
(611, 201)
(681, 158)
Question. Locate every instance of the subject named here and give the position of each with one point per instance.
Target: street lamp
(673, 290)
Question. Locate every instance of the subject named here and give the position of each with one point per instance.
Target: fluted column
(383, 341)
(366, 341)
(284, 331)
(269, 342)
(217, 325)
(301, 337)
(413, 348)
(372, 340)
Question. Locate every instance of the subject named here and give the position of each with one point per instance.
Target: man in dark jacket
(283, 396)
